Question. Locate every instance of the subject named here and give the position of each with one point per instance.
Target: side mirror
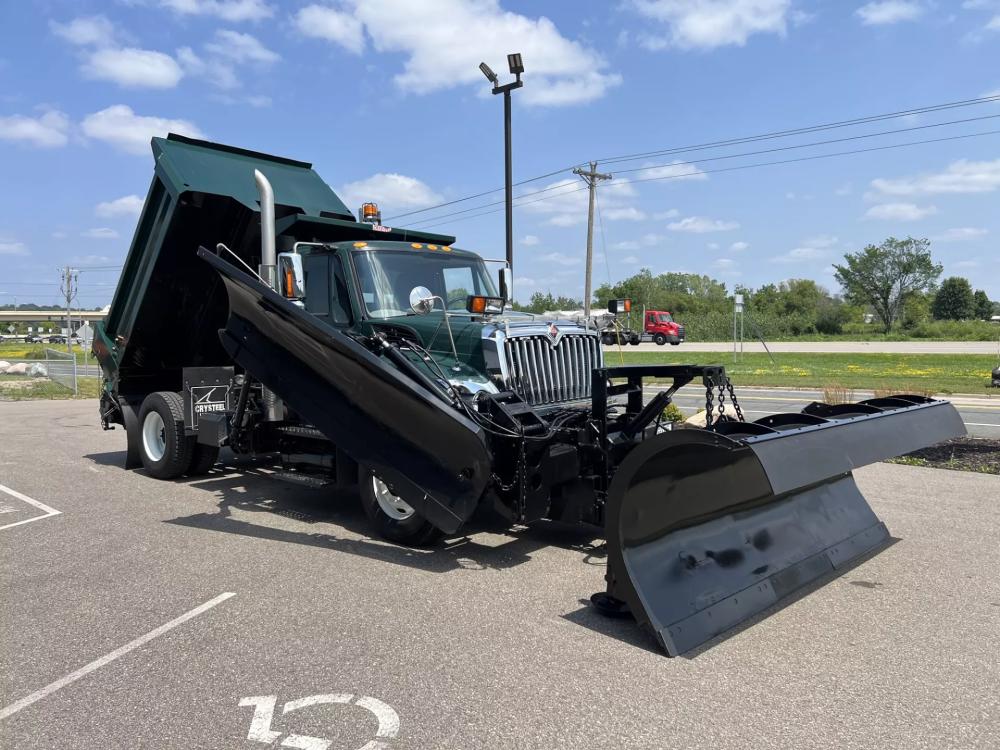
(421, 300)
(507, 285)
(291, 279)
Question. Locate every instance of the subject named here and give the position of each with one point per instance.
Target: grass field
(19, 388)
(20, 350)
(918, 373)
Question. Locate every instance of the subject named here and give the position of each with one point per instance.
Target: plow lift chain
(723, 385)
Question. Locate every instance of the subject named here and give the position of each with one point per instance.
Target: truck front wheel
(660, 339)
(163, 447)
(392, 517)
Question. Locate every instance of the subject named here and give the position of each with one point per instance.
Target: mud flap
(432, 456)
(706, 530)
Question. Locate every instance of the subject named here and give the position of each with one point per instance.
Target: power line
(742, 167)
(726, 142)
(566, 191)
(805, 145)
(807, 129)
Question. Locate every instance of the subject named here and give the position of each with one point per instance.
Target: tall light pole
(516, 68)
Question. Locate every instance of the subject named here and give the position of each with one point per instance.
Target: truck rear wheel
(163, 447)
(659, 339)
(391, 516)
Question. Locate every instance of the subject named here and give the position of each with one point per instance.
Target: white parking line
(13, 708)
(41, 506)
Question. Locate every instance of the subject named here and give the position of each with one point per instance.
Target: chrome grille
(545, 374)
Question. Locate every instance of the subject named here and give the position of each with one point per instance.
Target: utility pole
(591, 178)
(69, 288)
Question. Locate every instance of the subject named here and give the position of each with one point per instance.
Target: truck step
(300, 431)
(304, 480)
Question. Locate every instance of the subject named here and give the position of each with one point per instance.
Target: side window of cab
(327, 295)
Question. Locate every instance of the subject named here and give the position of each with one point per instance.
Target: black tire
(414, 531)
(634, 341)
(130, 416)
(675, 343)
(607, 339)
(176, 446)
(659, 339)
(203, 458)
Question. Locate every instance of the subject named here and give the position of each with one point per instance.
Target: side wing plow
(708, 527)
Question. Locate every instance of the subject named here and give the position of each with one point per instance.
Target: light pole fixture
(516, 69)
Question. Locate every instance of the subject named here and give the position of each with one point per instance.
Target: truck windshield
(664, 318)
(388, 276)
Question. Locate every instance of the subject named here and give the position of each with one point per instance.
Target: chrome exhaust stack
(268, 270)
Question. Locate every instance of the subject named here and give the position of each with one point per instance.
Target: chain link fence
(58, 367)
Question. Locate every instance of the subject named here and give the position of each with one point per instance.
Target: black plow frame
(708, 527)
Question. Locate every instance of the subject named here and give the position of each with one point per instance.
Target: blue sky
(385, 98)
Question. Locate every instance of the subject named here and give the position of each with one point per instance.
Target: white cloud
(706, 24)
(672, 213)
(629, 213)
(527, 281)
(133, 68)
(675, 171)
(701, 225)
(723, 263)
(626, 245)
(529, 240)
(967, 264)
(122, 128)
(739, 247)
(629, 260)
(393, 192)
(900, 212)
(713, 245)
(444, 41)
(241, 48)
(961, 234)
(323, 22)
(216, 72)
(100, 233)
(843, 190)
(10, 247)
(889, 11)
(800, 254)
(127, 205)
(227, 10)
(47, 131)
(565, 201)
(89, 260)
(821, 241)
(86, 31)
(652, 239)
(561, 259)
(962, 176)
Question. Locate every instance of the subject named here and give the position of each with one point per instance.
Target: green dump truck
(256, 314)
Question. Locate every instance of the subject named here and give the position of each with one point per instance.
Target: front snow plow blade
(708, 527)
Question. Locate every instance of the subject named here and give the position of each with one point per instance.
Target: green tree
(954, 300)
(882, 275)
(984, 308)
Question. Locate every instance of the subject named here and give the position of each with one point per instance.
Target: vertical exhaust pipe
(268, 270)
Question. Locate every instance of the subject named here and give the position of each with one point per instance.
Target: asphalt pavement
(980, 414)
(240, 611)
(828, 347)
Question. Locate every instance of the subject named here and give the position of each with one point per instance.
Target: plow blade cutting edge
(707, 529)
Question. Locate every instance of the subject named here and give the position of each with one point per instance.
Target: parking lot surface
(239, 611)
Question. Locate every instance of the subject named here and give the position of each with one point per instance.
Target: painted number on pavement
(263, 718)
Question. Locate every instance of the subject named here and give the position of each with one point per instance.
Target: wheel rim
(392, 505)
(154, 436)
